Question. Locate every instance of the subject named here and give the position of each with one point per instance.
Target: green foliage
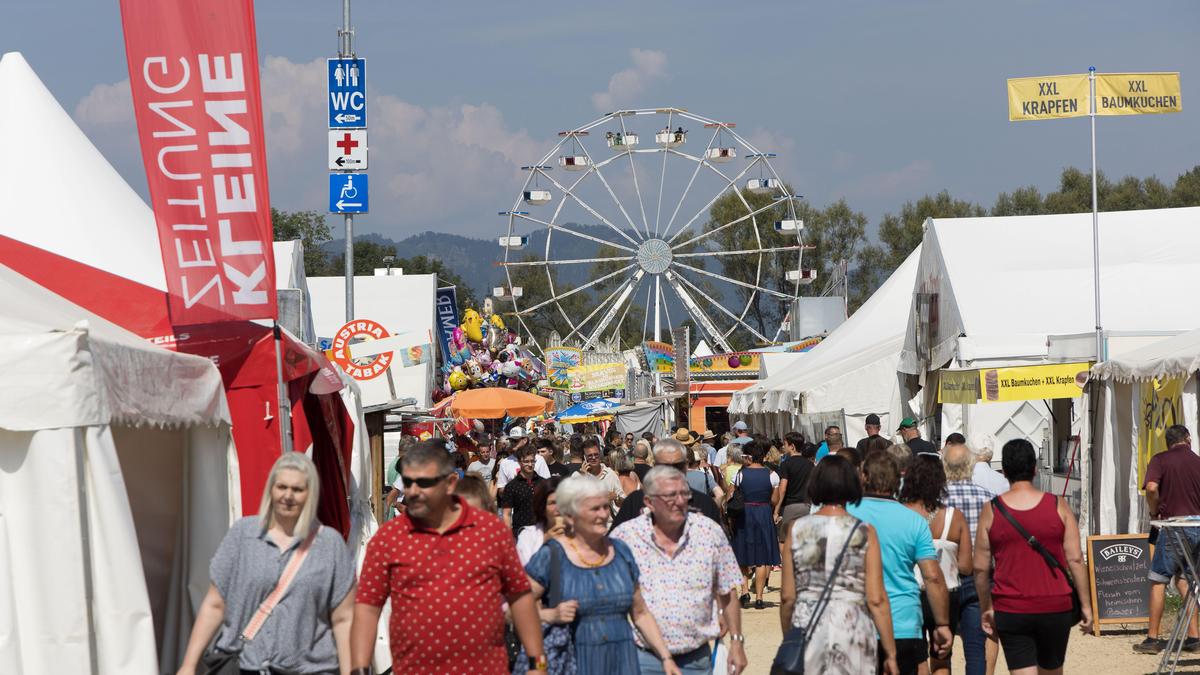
(535, 283)
(312, 231)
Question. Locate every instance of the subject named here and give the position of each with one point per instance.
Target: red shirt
(446, 591)
(1024, 583)
(1177, 472)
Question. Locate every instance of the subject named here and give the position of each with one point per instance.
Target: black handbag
(219, 662)
(735, 506)
(1076, 604)
(789, 660)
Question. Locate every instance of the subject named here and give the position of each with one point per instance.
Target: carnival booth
(1001, 330)
(849, 375)
(1135, 397)
(119, 479)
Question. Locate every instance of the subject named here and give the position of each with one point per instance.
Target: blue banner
(447, 319)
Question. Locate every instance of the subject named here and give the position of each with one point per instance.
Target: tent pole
(85, 543)
(285, 405)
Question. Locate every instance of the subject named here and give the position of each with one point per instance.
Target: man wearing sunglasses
(442, 563)
(667, 452)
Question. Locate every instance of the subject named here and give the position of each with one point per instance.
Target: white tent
(852, 370)
(1116, 505)
(119, 480)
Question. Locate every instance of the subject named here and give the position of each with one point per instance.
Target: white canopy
(1178, 355)
(1004, 284)
(853, 369)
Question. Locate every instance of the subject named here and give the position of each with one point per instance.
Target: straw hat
(684, 436)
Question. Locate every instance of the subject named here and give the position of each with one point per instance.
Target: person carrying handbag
(281, 597)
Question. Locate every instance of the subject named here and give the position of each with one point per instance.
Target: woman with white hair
(591, 582)
(283, 571)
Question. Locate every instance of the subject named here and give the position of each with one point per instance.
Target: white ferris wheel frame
(628, 248)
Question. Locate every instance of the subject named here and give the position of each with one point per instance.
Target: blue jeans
(696, 662)
(970, 628)
(1168, 559)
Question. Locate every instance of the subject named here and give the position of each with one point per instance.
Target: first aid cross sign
(347, 93)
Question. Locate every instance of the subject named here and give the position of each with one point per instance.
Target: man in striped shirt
(969, 498)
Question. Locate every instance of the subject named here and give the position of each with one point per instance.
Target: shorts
(788, 515)
(910, 654)
(930, 625)
(1034, 639)
(1168, 559)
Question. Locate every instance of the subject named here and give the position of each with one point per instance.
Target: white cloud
(902, 182)
(649, 66)
(443, 168)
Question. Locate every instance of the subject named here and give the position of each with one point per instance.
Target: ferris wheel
(645, 197)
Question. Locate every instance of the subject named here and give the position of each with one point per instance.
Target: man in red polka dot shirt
(446, 567)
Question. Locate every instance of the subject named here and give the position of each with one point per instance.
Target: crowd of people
(584, 553)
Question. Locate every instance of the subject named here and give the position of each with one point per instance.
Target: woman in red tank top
(1028, 603)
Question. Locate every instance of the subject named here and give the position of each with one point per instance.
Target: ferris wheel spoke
(568, 230)
(571, 261)
(627, 290)
(731, 223)
(696, 313)
(646, 313)
(730, 183)
(555, 297)
(751, 251)
(636, 186)
(695, 172)
(587, 207)
(600, 175)
(712, 301)
(735, 282)
(577, 329)
(662, 179)
(625, 314)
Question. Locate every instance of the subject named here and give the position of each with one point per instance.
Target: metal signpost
(347, 104)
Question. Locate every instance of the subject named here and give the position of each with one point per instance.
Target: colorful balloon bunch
(484, 353)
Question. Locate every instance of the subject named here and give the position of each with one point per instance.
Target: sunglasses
(423, 483)
(681, 466)
(591, 457)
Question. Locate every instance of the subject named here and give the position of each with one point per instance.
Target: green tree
(421, 264)
(1026, 201)
(312, 231)
(1186, 191)
(899, 235)
(534, 281)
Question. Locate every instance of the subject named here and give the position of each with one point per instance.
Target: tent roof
(1178, 355)
(871, 333)
(62, 366)
(1006, 283)
(62, 195)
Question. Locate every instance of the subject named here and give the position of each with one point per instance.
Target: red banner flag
(193, 70)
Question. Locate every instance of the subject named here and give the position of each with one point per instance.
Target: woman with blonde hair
(283, 571)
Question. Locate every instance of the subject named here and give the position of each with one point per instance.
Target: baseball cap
(516, 432)
(907, 423)
(872, 419)
(741, 440)
(740, 426)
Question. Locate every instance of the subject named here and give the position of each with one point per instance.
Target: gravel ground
(1110, 653)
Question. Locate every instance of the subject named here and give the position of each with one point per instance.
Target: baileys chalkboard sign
(1118, 565)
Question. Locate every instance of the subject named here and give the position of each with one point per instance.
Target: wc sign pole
(346, 94)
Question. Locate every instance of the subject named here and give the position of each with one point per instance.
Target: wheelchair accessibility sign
(348, 193)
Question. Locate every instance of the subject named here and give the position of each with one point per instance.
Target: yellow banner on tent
(1160, 406)
(1047, 98)
(1027, 383)
(1138, 93)
(958, 386)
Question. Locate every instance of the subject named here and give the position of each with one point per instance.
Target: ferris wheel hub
(654, 256)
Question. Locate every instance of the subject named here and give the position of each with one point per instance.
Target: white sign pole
(1095, 222)
(346, 51)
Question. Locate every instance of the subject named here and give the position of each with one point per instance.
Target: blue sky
(877, 102)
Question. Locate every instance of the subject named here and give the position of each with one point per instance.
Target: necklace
(582, 560)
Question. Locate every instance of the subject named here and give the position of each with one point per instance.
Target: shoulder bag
(735, 506)
(557, 639)
(216, 661)
(1076, 605)
(789, 660)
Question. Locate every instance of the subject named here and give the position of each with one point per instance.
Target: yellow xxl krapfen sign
(1047, 98)
(1138, 93)
(1028, 383)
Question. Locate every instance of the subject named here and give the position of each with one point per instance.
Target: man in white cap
(741, 436)
(510, 466)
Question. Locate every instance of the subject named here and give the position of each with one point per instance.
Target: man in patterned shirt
(968, 497)
(687, 570)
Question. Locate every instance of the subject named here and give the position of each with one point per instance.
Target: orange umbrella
(492, 403)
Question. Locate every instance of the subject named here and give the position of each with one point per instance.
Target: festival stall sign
(559, 362)
(1047, 98)
(1160, 405)
(364, 350)
(589, 411)
(958, 386)
(597, 380)
(660, 357)
(731, 366)
(1138, 93)
(1030, 383)
(1117, 569)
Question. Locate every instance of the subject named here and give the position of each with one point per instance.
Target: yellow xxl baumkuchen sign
(1045, 98)
(1137, 93)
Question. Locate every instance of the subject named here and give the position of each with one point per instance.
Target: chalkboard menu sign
(1118, 566)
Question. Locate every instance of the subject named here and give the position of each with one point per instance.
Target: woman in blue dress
(598, 586)
(755, 542)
